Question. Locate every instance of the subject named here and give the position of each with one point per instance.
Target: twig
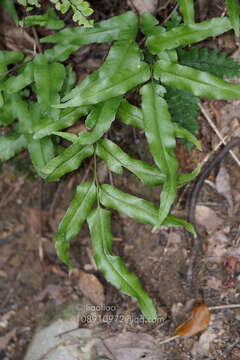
(205, 112)
(192, 201)
(219, 307)
(169, 16)
(169, 339)
(36, 38)
(87, 171)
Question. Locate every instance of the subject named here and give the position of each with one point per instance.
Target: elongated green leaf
(8, 112)
(8, 5)
(141, 210)
(19, 82)
(104, 113)
(41, 152)
(111, 266)
(187, 9)
(186, 178)
(60, 52)
(122, 71)
(168, 55)
(148, 23)
(23, 113)
(10, 145)
(67, 135)
(50, 20)
(10, 57)
(233, 9)
(68, 117)
(197, 82)
(115, 158)
(75, 216)
(93, 116)
(118, 27)
(161, 139)
(180, 132)
(49, 80)
(187, 34)
(130, 114)
(66, 162)
(69, 81)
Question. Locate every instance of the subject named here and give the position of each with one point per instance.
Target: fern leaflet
(216, 63)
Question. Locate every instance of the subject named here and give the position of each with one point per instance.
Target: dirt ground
(32, 277)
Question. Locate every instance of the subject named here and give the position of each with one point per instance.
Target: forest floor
(32, 278)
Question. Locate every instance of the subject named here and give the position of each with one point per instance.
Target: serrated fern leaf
(112, 266)
(213, 62)
(183, 107)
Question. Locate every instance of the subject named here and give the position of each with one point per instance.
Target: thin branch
(169, 339)
(205, 112)
(220, 307)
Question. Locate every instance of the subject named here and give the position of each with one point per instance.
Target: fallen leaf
(143, 5)
(223, 187)
(208, 218)
(198, 322)
(90, 286)
(128, 345)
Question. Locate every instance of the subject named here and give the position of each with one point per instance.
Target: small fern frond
(183, 108)
(213, 62)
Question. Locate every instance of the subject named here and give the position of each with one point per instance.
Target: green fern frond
(213, 62)
(183, 107)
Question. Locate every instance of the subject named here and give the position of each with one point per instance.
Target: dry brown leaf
(208, 218)
(90, 286)
(198, 322)
(143, 5)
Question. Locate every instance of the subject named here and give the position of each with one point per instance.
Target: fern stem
(95, 175)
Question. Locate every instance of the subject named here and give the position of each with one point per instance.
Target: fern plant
(161, 72)
(81, 11)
